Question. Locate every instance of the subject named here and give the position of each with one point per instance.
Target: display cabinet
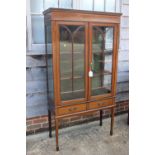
(81, 57)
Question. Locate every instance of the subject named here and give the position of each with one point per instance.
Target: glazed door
(101, 59)
(72, 61)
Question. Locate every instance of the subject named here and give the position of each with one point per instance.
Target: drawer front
(100, 103)
(71, 109)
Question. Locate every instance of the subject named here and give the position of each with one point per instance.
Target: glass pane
(49, 41)
(49, 62)
(65, 4)
(86, 4)
(78, 48)
(98, 5)
(66, 64)
(108, 63)
(72, 62)
(102, 49)
(37, 29)
(50, 3)
(109, 39)
(110, 5)
(50, 77)
(36, 6)
(96, 84)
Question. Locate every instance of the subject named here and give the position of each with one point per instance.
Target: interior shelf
(102, 73)
(106, 72)
(106, 52)
(71, 53)
(82, 90)
(101, 90)
(102, 61)
(74, 91)
(75, 77)
(78, 93)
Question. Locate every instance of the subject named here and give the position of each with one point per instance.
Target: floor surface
(85, 139)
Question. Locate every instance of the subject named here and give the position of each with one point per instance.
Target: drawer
(71, 109)
(100, 103)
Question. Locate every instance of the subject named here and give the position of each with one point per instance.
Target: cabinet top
(81, 15)
(50, 10)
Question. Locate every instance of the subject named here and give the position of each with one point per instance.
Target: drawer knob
(101, 103)
(72, 109)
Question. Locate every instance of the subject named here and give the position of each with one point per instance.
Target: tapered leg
(49, 123)
(128, 118)
(56, 133)
(112, 121)
(101, 112)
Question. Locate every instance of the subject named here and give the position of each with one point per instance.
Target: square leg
(112, 120)
(101, 112)
(57, 133)
(50, 123)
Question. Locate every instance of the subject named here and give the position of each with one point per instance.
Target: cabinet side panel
(48, 40)
(116, 56)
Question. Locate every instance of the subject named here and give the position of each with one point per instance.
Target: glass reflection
(102, 49)
(72, 47)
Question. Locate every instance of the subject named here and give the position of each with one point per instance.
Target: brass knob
(72, 109)
(75, 108)
(100, 103)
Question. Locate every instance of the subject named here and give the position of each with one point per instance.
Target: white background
(13, 77)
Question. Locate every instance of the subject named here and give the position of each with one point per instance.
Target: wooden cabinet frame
(90, 103)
